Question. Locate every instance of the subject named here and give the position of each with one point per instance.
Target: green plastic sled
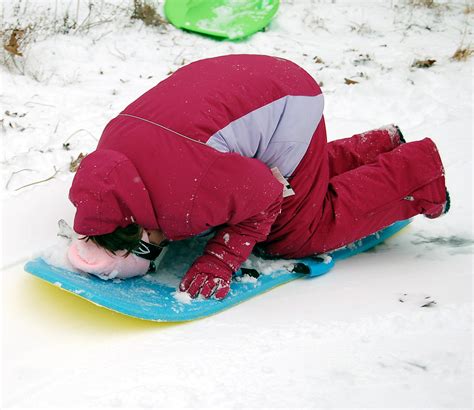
(230, 19)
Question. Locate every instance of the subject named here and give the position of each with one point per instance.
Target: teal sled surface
(152, 297)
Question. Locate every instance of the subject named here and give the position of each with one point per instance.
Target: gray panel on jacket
(277, 134)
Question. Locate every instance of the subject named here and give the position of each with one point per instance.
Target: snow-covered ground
(357, 337)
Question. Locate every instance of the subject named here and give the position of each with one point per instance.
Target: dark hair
(127, 238)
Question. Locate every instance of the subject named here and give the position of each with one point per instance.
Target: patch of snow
(226, 238)
(183, 297)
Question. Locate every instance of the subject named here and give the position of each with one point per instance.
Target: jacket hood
(108, 192)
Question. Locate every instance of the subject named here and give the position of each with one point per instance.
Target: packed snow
(389, 328)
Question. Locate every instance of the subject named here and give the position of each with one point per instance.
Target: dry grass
(142, 10)
(462, 54)
(469, 7)
(423, 3)
(27, 24)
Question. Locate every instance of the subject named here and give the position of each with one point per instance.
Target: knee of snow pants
(400, 184)
(348, 153)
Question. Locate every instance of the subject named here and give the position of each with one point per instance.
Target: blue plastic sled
(153, 296)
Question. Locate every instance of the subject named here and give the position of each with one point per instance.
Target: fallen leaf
(13, 45)
(350, 82)
(423, 63)
(14, 114)
(76, 162)
(16, 126)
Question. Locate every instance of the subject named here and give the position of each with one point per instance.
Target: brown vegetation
(142, 10)
(423, 3)
(423, 63)
(462, 54)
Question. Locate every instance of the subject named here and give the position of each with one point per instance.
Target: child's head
(107, 192)
(110, 256)
(127, 239)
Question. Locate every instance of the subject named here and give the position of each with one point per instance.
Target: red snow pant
(362, 184)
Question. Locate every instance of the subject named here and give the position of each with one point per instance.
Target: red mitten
(207, 276)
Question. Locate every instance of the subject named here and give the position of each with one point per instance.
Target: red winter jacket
(195, 153)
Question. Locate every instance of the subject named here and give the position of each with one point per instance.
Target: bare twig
(56, 171)
(29, 103)
(77, 11)
(97, 23)
(122, 56)
(75, 132)
(95, 40)
(21, 70)
(175, 62)
(14, 173)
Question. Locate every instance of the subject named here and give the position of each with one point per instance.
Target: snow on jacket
(195, 152)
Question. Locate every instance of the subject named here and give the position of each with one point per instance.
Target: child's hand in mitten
(207, 276)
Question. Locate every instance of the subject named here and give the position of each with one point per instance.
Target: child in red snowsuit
(199, 152)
